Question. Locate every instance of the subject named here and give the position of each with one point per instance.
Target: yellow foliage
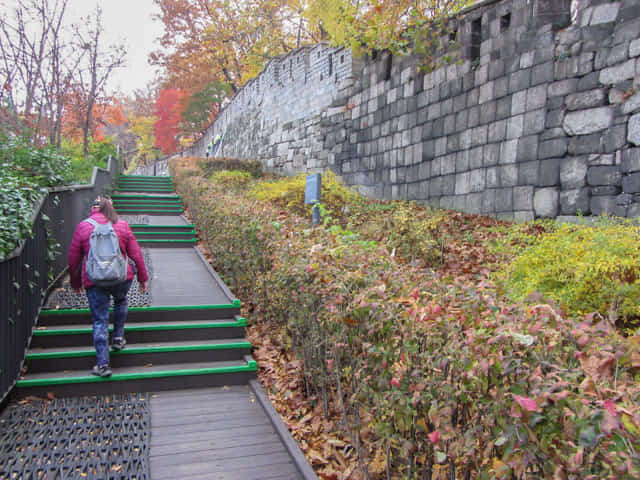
(584, 268)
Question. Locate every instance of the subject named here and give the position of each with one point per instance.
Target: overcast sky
(125, 21)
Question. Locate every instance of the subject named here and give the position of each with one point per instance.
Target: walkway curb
(290, 444)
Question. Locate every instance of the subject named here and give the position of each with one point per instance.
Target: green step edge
(137, 328)
(140, 225)
(125, 196)
(155, 210)
(251, 366)
(192, 232)
(167, 240)
(171, 308)
(144, 176)
(141, 350)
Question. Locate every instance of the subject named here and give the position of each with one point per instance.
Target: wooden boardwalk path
(220, 433)
(209, 416)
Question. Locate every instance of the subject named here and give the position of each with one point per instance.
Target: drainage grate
(76, 438)
(65, 297)
(135, 219)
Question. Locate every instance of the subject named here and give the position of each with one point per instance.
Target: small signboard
(312, 191)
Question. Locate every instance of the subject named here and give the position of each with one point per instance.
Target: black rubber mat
(104, 437)
(65, 297)
(135, 219)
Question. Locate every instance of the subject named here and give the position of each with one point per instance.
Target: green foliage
(81, 167)
(289, 193)
(432, 376)
(25, 171)
(232, 179)
(202, 106)
(584, 268)
(412, 232)
(211, 165)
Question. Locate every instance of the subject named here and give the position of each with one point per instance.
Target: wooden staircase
(168, 346)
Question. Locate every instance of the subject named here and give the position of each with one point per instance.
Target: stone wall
(535, 116)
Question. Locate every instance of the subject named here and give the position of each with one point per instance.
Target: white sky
(125, 21)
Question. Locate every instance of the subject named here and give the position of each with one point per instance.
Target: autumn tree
(101, 62)
(201, 108)
(143, 128)
(168, 118)
(399, 26)
(227, 41)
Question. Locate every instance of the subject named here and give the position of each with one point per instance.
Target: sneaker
(118, 344)
(101, 370)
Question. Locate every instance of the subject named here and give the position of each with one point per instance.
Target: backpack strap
(92, 222)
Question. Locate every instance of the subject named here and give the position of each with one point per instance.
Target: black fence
(27, 273)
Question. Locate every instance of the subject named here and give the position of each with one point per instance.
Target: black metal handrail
(27, 273)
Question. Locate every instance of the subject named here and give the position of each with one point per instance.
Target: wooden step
(139, 378)
(83, 357)
(82, 316)
(143, 332)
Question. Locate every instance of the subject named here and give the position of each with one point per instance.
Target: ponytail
(104, 205)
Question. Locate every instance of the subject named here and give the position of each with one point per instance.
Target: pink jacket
(80, 249)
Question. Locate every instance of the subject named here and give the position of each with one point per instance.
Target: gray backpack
(105, 264)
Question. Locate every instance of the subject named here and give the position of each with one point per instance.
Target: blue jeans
(99, 302)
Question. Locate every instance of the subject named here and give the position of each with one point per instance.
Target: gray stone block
(624, 199)
(615, 138)
(584, 100)
(631, 160)
(549, 173)
(603, 205)
(618, 73)
(555, 118)
(503, 108)
(515, 126)
(618, 54)
(492, 177)
(584, 122)
(605, 13)
(562, 87)
(634, 48)
(534, 121)
(603, 175)
(574, 202)
(528, 148)
(553, 148)
(585, 144)
(528, 173)
(546, 202)
(523, 198)
(519, 102)
(633, 131)
(448, 184)
(488, 201)
(509, 151)
(589, 82)
(605, 191)
(573, 172)
(501, 87)
(476, 158)
(631, 183)
(497, 131)
(508, 175)
(504, 200)
(477, 181)
(488, 112)
(462, 161)
(520, 80)
(491, 154)
(631, 105)
(542, 74)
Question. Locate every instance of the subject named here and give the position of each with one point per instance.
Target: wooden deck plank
(180, 278)
(274, 462)
(214, 433)
(216, 442)
(262, 430)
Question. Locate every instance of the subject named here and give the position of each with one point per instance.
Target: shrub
(232, 179)
(25, 171)
(211, 165)
(289, 193)
(584, 268)
(429, 377)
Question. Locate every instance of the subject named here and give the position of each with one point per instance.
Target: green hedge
(433, 377)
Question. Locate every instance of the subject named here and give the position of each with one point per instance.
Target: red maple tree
(168, 111)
